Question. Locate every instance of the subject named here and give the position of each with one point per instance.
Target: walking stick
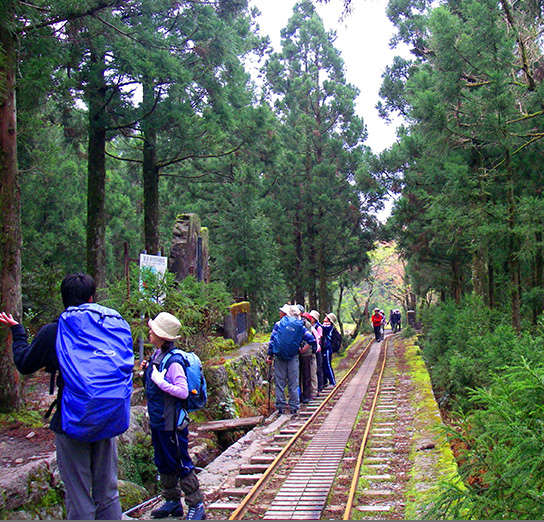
(269, 385)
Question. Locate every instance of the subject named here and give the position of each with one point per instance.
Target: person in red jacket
(377, 319)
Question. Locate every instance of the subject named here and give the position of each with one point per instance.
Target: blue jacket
(326, 339)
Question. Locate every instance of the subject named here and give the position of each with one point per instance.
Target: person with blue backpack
(89, 414)
(168, 394)
(288, 339)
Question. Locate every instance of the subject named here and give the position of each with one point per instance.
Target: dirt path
(20, 444)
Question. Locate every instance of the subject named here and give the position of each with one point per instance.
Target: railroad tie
(303, 495)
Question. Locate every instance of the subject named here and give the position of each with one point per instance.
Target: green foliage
(470, 214)
(26, 418)
(502, 466)
(318, 208)
(136, 463)
(465, 346)
(200, 307)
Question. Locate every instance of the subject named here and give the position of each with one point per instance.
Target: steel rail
(261, 483)
(357, 470)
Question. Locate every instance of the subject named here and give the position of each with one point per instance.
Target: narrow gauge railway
(297, 484)
(311, 468)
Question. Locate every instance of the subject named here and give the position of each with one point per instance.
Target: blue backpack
(196, 383)
(287, 339)
(96, 358)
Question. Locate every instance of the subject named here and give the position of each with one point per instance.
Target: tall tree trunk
(96, 187)
(323, 289)
(491, 287)
(10, 217)
(539, 265)
(513, 262)
(298, 282)
(457, 281)
(150, 173)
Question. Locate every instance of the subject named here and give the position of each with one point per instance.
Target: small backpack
(287, 339)
(96, 359)
(336, 340)
(196, 382)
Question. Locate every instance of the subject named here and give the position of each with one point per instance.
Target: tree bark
(513, 263)
(10, 218)
(539, 265)
(96, 188)
(150, 173)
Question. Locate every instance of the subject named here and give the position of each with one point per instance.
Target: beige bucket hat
(166, 326)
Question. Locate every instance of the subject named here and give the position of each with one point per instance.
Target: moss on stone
(131, 494)
(429, 466)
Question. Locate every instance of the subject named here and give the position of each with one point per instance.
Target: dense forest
(115, 116)
(129, 113)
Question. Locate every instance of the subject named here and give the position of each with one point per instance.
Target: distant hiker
(376, 319)
(382, 330)
(307, 365)
(314, 319)
(88, 469)
(284, 347)
(395, 319)
(167, 391)
(327, 347)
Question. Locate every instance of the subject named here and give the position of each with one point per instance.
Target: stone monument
(189, 252)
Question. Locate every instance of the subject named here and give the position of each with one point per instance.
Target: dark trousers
(328, 374)
(305, 376)
(319, 363)
(175, 465)
(378, 332)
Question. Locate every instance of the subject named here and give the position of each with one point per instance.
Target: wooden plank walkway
(303, 495)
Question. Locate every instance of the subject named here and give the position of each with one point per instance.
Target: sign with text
(152, 268)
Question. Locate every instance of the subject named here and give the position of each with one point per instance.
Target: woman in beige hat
(328, 373)
(166, 390)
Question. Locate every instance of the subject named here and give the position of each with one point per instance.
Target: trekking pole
(269, 385)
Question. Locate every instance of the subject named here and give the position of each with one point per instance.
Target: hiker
(314, 320)
(394, 320)
(88, 469)
(166, 393)
(376, 319)
(328, 326)
(307, 365)
(284, 347)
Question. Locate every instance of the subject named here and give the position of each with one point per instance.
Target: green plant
(136, 463)
(502, 466)
(199, 306)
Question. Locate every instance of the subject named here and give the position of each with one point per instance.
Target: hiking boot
(280, 411)
(169, 508)
(196, 512)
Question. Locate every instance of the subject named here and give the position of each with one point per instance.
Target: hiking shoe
(280, 411)
(169, 508)
(196, 512)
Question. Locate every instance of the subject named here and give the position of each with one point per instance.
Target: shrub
(200, 307)
(502, 467)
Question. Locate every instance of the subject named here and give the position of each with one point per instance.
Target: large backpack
(287, 339)
(196, 383)
(96, 359)
(336, 340)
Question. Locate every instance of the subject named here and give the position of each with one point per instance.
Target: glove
(158, 377)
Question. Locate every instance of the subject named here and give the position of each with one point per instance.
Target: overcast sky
(362, 38)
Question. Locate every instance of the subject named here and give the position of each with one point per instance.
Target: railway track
(345, 456)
